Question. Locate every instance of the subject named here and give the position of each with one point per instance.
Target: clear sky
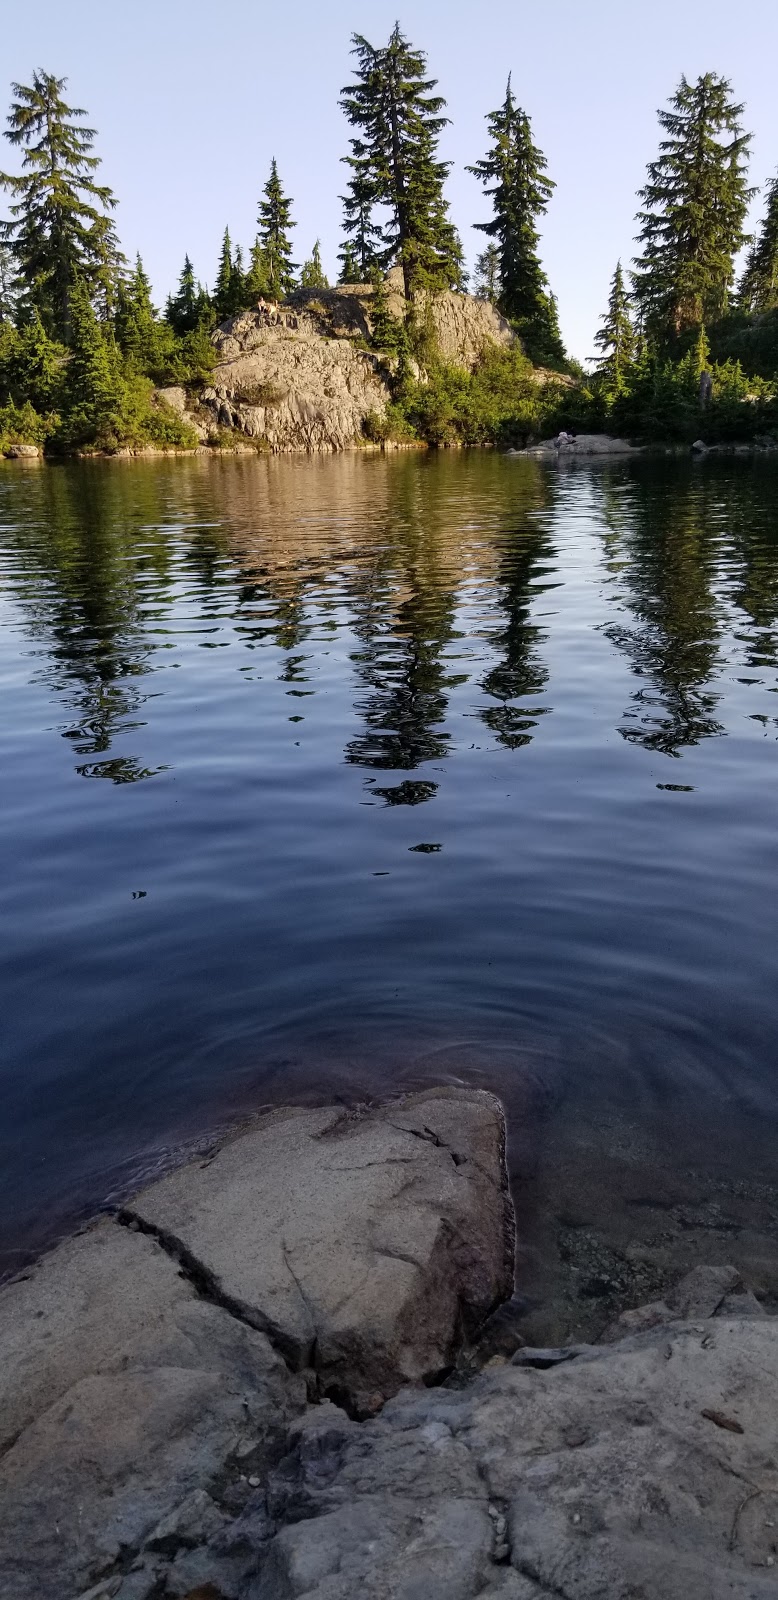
(191, 100)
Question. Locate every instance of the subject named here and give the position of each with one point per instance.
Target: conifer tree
(223, 291)
(190, 307)
(513, 173)
(93, 389)
(694, 207)
(758, 289)
(181, 307)
(312, 274)
(237, 282)
(616, 337)
(395, 156)
(257, 284)
(363, 245)
(33, 368)
(349, 270)
(275, 222)
(61, 229)
(486, 281)
(8, 285)
(136, 326)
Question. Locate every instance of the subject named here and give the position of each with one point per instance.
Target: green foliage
(138, 332)
(695, 202)
(363, 245)
(513, 173)
(312, 274)
(230, 292)
(24, 425)
(758, 289)
(190, 308)
(387, 332)
(61, 229)
(616, 337)
(257, 282)
(275, 222)
(486, 279)
(31, 365)
(395, 166)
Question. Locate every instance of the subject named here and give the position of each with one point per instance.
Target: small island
(687, 353)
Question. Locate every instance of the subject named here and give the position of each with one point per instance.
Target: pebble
(255, 1482)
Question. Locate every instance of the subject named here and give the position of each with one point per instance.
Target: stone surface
(599, 1479)
(299, 376)
(365, 1245)
(23, 452)
(121, 1392)
(584, 444)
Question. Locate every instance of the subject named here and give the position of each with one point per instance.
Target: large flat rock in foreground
(365, 1245)
(150, 1368)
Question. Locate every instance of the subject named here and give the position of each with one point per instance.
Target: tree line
(82, 344)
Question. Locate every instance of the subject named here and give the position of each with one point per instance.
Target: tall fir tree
(514, 176)
(136, 325)
(61, 231)
(238, 281)
(486, 278)
(616, 337)
(275, 221)
(312, 274)
(694, 207)
(395, 156)
(349, 265)
(758, 289)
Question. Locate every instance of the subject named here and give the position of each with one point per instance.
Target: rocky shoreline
(292, 1368)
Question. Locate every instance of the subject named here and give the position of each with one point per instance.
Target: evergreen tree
(395, 158)
(312, 275)
(237, 282)
(759, 284)
(136, 326)
(93, 389)
(257, 284)
(223, 291)
(61, 230)
(694, 208)
(9, 287)
(363, 245)
(275, 222)
(514, 175)
(486, 282)
(190, 307)
(349, 270)
(31, 364)
(616, 337)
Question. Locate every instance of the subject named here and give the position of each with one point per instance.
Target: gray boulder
(365, 1245)
(644, 1469)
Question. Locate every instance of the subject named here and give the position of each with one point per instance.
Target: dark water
(332, 776)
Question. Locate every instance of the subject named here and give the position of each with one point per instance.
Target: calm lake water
(335, 776)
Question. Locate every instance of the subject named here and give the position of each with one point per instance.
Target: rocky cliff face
(300, 377)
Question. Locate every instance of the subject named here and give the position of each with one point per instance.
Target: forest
(84, 349)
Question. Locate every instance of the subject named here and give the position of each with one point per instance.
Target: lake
(329, 777)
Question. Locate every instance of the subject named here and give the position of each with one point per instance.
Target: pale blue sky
(191, 101)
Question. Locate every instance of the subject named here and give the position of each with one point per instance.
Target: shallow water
(332, 776)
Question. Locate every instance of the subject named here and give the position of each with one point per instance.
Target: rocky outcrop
(645, 1468)
(151, 1367)
(301, 376)
(193, 1393)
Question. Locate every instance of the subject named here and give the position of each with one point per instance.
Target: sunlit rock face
(301, 376)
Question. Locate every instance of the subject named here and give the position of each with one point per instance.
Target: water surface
(333, 776)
